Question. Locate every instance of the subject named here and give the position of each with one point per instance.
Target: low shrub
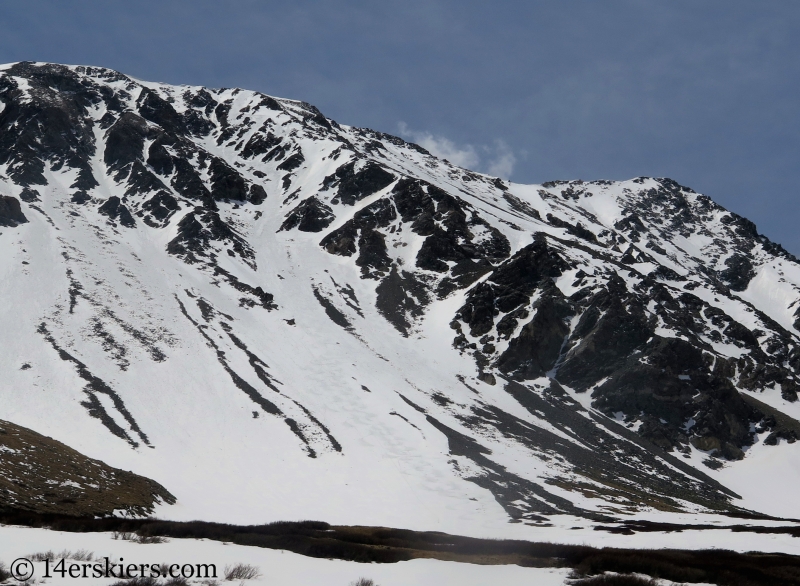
(81, 555)
(41, 556)
(146, 581)
(137, 538)
(615, 580)
(148, 539)
(122, 535)
(241, 572)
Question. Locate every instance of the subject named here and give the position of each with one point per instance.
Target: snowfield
(279, 317)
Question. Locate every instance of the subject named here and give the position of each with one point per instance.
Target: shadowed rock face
(639, 340)
(605, 341)
(43, 475)
(352, 186)
(310, 216)
(117, 211)
(11, 212)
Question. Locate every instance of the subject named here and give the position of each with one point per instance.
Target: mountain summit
(276, 316)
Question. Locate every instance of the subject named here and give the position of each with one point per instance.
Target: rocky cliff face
(572, 347)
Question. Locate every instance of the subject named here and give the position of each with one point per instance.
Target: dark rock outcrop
(115, 210)
(11, 212)
(310, 216)
(352, 186)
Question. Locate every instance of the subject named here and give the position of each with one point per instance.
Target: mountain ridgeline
(622, 340)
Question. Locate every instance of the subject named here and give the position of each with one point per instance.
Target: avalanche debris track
(451, 350)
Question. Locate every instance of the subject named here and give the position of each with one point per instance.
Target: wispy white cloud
(503, 160)
(497, 159)
(444, 148)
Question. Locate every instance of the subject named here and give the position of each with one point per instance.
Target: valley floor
(276, 567)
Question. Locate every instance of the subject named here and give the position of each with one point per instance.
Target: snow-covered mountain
(276, 316)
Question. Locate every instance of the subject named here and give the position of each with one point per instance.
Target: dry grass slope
(40, 474)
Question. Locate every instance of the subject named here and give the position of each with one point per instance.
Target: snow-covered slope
(276, 316)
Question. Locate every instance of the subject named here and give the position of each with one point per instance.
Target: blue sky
(706, 92)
